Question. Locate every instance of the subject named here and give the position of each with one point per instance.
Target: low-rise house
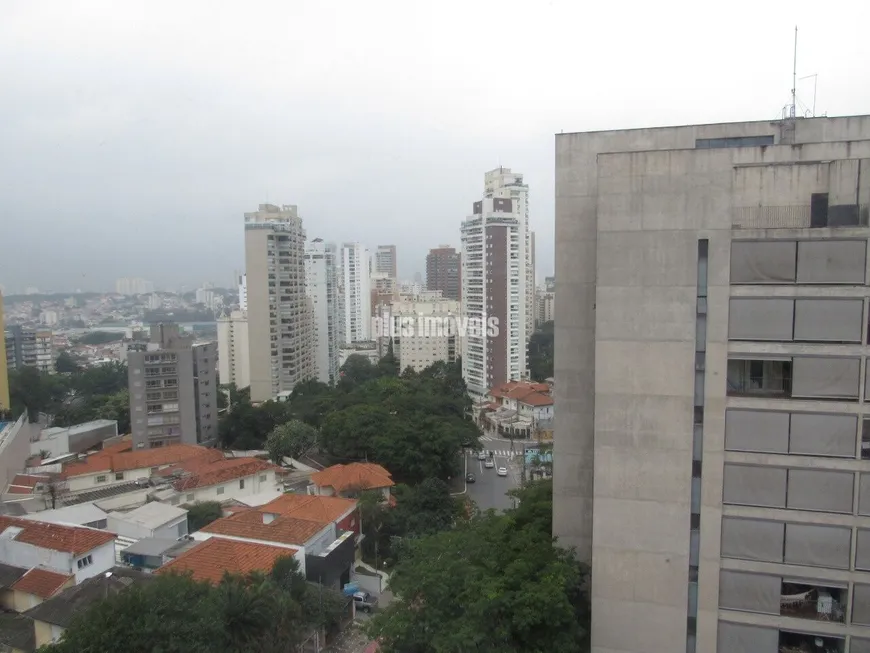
(37, 585)
(154, 519)
(150, 553)
(52, 617)
(111, 467)
(69, 550)
(221, 480)
(209, 560)
(16, 633)
(9, 575)
(517, 409)
(59, 440)
(349, 480)
(83, 514)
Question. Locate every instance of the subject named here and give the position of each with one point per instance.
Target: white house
(73, 550)
(221, 480)
(154, 519)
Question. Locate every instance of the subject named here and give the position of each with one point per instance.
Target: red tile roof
(200, 472)
(533, 394)
(355, 476)
(70, 539)
(284, 529)
(208, 561)
(26, 483)
(43, 583)
(105, 461)
(311, 507)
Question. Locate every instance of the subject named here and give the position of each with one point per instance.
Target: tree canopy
(203, 513)
(541, 353)
(290, 439)
(271, 612)
(492, 583)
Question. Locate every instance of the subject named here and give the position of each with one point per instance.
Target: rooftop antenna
(815, 77)
(794, 77)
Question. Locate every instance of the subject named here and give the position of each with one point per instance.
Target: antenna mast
(794, 78)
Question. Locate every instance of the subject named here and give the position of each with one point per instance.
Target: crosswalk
(503, 453)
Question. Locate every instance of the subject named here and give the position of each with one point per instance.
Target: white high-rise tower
(357, 295)
(322, 288)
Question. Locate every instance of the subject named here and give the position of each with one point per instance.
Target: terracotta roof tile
(533, 394)
(208, 561)
(103, 461)
(249, 524)
(203, 473)
(311, 507)
(40, 582)
(357, 476)
(71, 539)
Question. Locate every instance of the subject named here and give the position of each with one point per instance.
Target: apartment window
(819, 434)
(119, 476)
(864, 494)
(828, 320)
(756, 430)
(763, 262)
(733, 141)
(750, 485)
(262, 478)
(822, 490)
(101, 478)
(760, 319)
(241, 484)
(752, 539)
(759, 377)
(824, 377)
(81, 563)
(220, 490)
(865, 439)
(818, 546)
(749, 592)
(832, 261)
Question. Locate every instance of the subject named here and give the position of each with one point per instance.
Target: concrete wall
(15, 449)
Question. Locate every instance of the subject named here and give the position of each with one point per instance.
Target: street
(489, 491)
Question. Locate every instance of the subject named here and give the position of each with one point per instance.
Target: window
(262, 478)
(220, 490)
(832, 261)
(818, 546)
(190, 497)
(101, 478)
(119, 476)
(818, 210)
(750, 485)
(241, 484)
(733, 141)
(81, 563)
(761, 319)
(770, 262)
(752, 539)
(823, 490)
(749, 592)
(828, 320)
(756, 430)
(825, 377)
(761, 377)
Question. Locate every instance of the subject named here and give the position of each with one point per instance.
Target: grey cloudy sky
(135, 134)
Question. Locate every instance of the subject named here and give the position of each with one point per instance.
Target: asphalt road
(489, 490)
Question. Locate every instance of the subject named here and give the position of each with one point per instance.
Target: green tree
(291, 439)
(66, 364)
(494, 583)
(116, 407)
(100, 337)
(541, 352)
(203, 513)
(357, 369)
(388, 365)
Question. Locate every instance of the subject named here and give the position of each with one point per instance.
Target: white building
(133, 286)
(154, 519)
(321, 286)
(357, 296)
(48, 318)
(496, 258)
(243, 292)
(545, 306)
(233, 349)
(422, 333)
(207, 297)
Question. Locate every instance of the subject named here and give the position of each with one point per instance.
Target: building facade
(495, 260)
(385, 261)
(173, 390)
(133, 286)
(443, 271)
(356, 286)
(711, 461)
(280, 329)
(234, 364)
(4, 374)
(322, 288)
(28, 347)
(422, 333)
(545, 307)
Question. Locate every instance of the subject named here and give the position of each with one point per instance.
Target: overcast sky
(134, 134)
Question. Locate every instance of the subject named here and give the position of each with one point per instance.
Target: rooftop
(26, 483)
(54, 431)
(355, 476)
(69, 539)
(200, 472)
(110, 460)
(151, 515)
(209, 560)
(16, 632)
(41, 582)
(76, 515)
(60, 609)
(151, 546)
(10, 574)
(250, 524)
(310, 507)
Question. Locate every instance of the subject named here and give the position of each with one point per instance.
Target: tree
(494, 583)
(66, 364)
(203, 513)
(357, 369)
(541, 352)
(291, 439)
(101, 337)
(116, 407)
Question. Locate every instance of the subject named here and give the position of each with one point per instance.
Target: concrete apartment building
(425, 340)
(545, 306)
(495, 260)
(443, 271)
(712, 452)
(322, 288)
(173, 390)
(280, 324)
(4, 374)
(384, 261)
(28, 347)
(234, 365)
(356, 292)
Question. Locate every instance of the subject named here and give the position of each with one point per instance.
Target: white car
(502, 471)
(489, 464)
(481, 455)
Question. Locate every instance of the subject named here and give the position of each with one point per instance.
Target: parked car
(502, 471)
(481, 455)
(364, 601)
(469, 478)
(489, 463)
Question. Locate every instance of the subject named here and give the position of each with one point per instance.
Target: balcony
(759, 378)
(814, 602)
(803, 643)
